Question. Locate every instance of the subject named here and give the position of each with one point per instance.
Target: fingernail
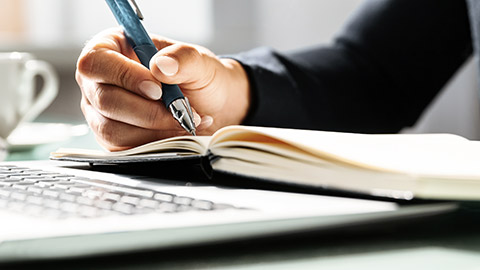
(207, 121)
(196, 119)
(150, 89)
(167, 65)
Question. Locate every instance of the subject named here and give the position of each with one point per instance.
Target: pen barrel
(145, 49)
(145, 53)
(171, 92)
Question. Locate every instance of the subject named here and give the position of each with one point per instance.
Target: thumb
(192, 67)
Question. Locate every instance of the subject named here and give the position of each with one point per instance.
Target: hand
(120, 97)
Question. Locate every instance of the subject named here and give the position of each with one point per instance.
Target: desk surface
(42, 151)
(444, 242)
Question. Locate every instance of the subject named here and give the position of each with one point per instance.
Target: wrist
(237, 87)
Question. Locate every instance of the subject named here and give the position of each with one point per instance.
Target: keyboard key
(22, 185)
(104, 205)
(166, 207)
(54, 195)
(44, 184)
(64, 184)
(51, 193)
(123, 208)
(109, 196)
(49, 174)
(133, 191)
(182, 200)
(50, 179)
(6, 166)
(130, 200)
(15, 168)
(202, 204)
(163, 197)
(35, 189)
(93, 194)
(5, 184)
(12, 180)
(76, 190)
(18, 175)
(85, 200)
(32, 171)
(120, 188)
(33, 179)
(147, 203)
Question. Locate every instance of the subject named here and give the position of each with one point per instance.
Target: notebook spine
(206, 163)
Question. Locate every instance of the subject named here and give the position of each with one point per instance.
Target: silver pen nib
(182, 111)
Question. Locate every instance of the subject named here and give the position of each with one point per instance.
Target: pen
(142, 44)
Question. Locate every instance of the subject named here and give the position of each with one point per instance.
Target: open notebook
(427, 166)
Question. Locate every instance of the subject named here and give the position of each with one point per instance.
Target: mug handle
(49, 90)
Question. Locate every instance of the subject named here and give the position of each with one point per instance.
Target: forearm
(384, 68)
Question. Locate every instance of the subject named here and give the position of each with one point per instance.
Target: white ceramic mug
(20, 101)
(3, 149)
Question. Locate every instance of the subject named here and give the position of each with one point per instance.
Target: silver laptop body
(53, 210)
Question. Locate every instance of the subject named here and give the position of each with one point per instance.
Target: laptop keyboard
(49, 194)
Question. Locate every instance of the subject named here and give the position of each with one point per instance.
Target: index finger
(108, 59)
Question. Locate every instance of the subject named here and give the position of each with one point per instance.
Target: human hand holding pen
(119, 95)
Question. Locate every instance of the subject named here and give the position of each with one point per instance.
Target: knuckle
(86, 62)
(190, 52)
(101, 98)
(106, 130)
(153, 116)
(124, 77)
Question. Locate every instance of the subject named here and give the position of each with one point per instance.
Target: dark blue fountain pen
(128, 16)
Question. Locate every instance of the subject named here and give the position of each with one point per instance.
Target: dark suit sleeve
(382, 70)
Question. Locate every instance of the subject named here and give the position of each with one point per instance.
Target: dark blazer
(383, 68)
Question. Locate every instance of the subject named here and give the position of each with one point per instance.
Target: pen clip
(136, 8)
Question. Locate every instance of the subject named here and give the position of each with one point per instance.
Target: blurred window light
(12, 23)
(59, 23)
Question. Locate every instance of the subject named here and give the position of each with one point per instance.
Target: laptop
(52, 210)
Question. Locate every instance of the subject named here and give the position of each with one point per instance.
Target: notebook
(53, 210)
(425, 166)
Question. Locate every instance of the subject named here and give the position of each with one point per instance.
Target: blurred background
(55, 31)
